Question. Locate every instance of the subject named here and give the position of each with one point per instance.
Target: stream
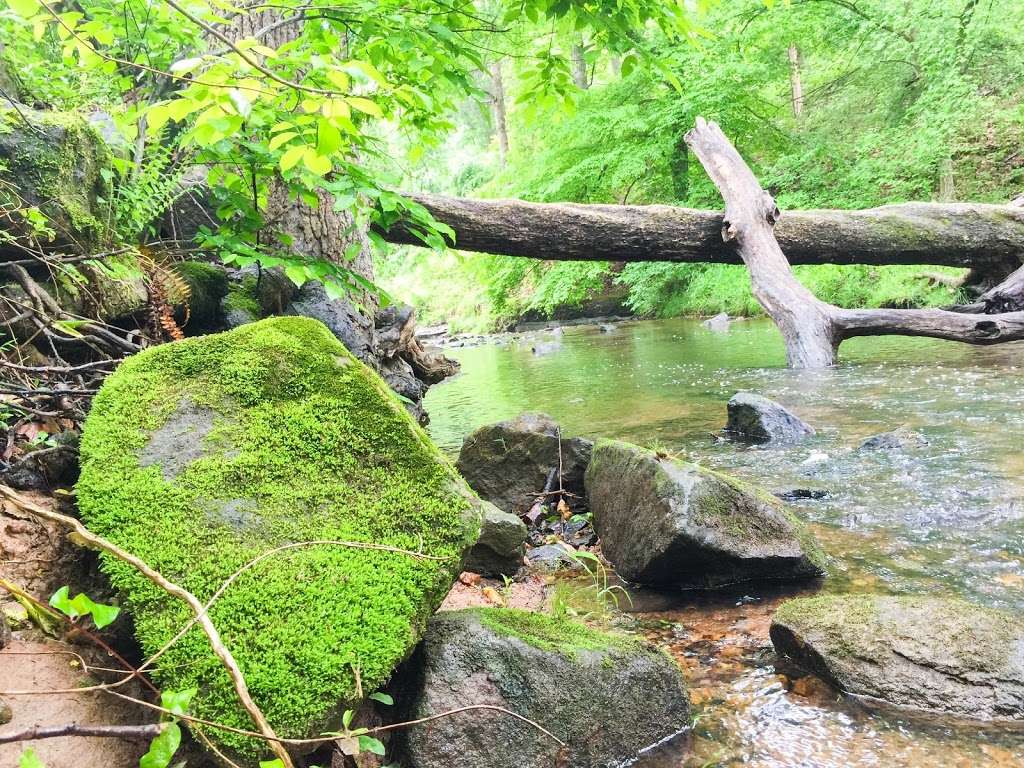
(943, 519)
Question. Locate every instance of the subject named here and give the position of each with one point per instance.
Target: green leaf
(177, 701)
(82, 605)
(365, 105)
(383, 698)
(162, 748)
(316, 163)
(370, 744)
(281, 138)
(328, 138)
(26, 8)
(29, 759)
(291, 158)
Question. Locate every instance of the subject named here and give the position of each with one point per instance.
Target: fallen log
(814, 329)
(949, 234)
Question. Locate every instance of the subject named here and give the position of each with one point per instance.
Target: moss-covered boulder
(670, 523)
(201, 455)
(607, 696)
(925, 653)
(53, 163)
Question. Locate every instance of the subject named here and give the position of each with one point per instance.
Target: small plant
(162, 748)
(596, 599)
(83, 605)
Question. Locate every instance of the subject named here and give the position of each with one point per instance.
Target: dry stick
(82, 535)
(134, 732)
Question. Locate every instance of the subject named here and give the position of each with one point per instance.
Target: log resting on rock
(950, 234)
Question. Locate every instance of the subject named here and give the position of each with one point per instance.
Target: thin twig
(133, 732)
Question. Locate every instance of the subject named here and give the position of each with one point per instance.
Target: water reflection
(946, 517)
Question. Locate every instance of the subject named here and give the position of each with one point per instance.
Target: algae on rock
(199, 456)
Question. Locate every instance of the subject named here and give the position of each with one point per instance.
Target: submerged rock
(758, 419)
(201, 455)
(665, 522)
(500, 549)
(926, 653)
(900, 439)
(719, 323)
(607, 696)
(509, 463)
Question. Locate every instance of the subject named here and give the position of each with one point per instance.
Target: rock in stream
(670, 523)
(760, 420)
(932, 654)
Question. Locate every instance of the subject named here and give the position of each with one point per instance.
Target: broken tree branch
(813, 329)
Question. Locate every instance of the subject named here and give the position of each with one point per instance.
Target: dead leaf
(1010, 579)
(469, 578)
(493, 597)
(563, 510)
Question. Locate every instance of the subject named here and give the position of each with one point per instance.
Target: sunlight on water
(945, 518)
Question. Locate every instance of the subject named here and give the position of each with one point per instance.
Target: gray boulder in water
(502, 544)
(758, 419)
(899, 439)
(925, 653)
(606, 695)
(719, 323)
(509, 463)
(665, 522)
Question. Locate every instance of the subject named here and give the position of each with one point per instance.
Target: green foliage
(147, 191)
(29, 759)
(305, 443)
(895, 92)
(82, 605)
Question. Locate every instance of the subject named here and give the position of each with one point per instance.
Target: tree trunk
(795, 83)
(498, 111)
(579, 68)
(956, 235)
(811, 328)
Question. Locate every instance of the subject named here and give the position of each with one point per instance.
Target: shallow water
(946, 518)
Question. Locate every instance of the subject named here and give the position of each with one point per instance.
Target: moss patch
(548, 633)
(305, 443)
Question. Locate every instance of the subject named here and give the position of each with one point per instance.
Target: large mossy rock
(200, 455)
(53, 161)
(508, 463)
(670, 523)
(607, 696)
(925, 653)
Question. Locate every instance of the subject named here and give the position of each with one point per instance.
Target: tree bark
(811, 328)
(956, 235)
(579, 68)
(795, 82)
(498, 111)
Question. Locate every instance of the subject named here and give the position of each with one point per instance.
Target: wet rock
(926, 653)
(607, 696)
(899, 439)
(282, 436)
(758, 419)
(509, 463)
(798, 494)
(500, 549)
(44, 468)
(665, 522)
(552, 557)
(719, 323)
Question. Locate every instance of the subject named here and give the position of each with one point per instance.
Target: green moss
(240, 298)
(305, 443)
(208, 284)
(57, 166)
(549, 633)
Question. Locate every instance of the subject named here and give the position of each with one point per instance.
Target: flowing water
(943, 519)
